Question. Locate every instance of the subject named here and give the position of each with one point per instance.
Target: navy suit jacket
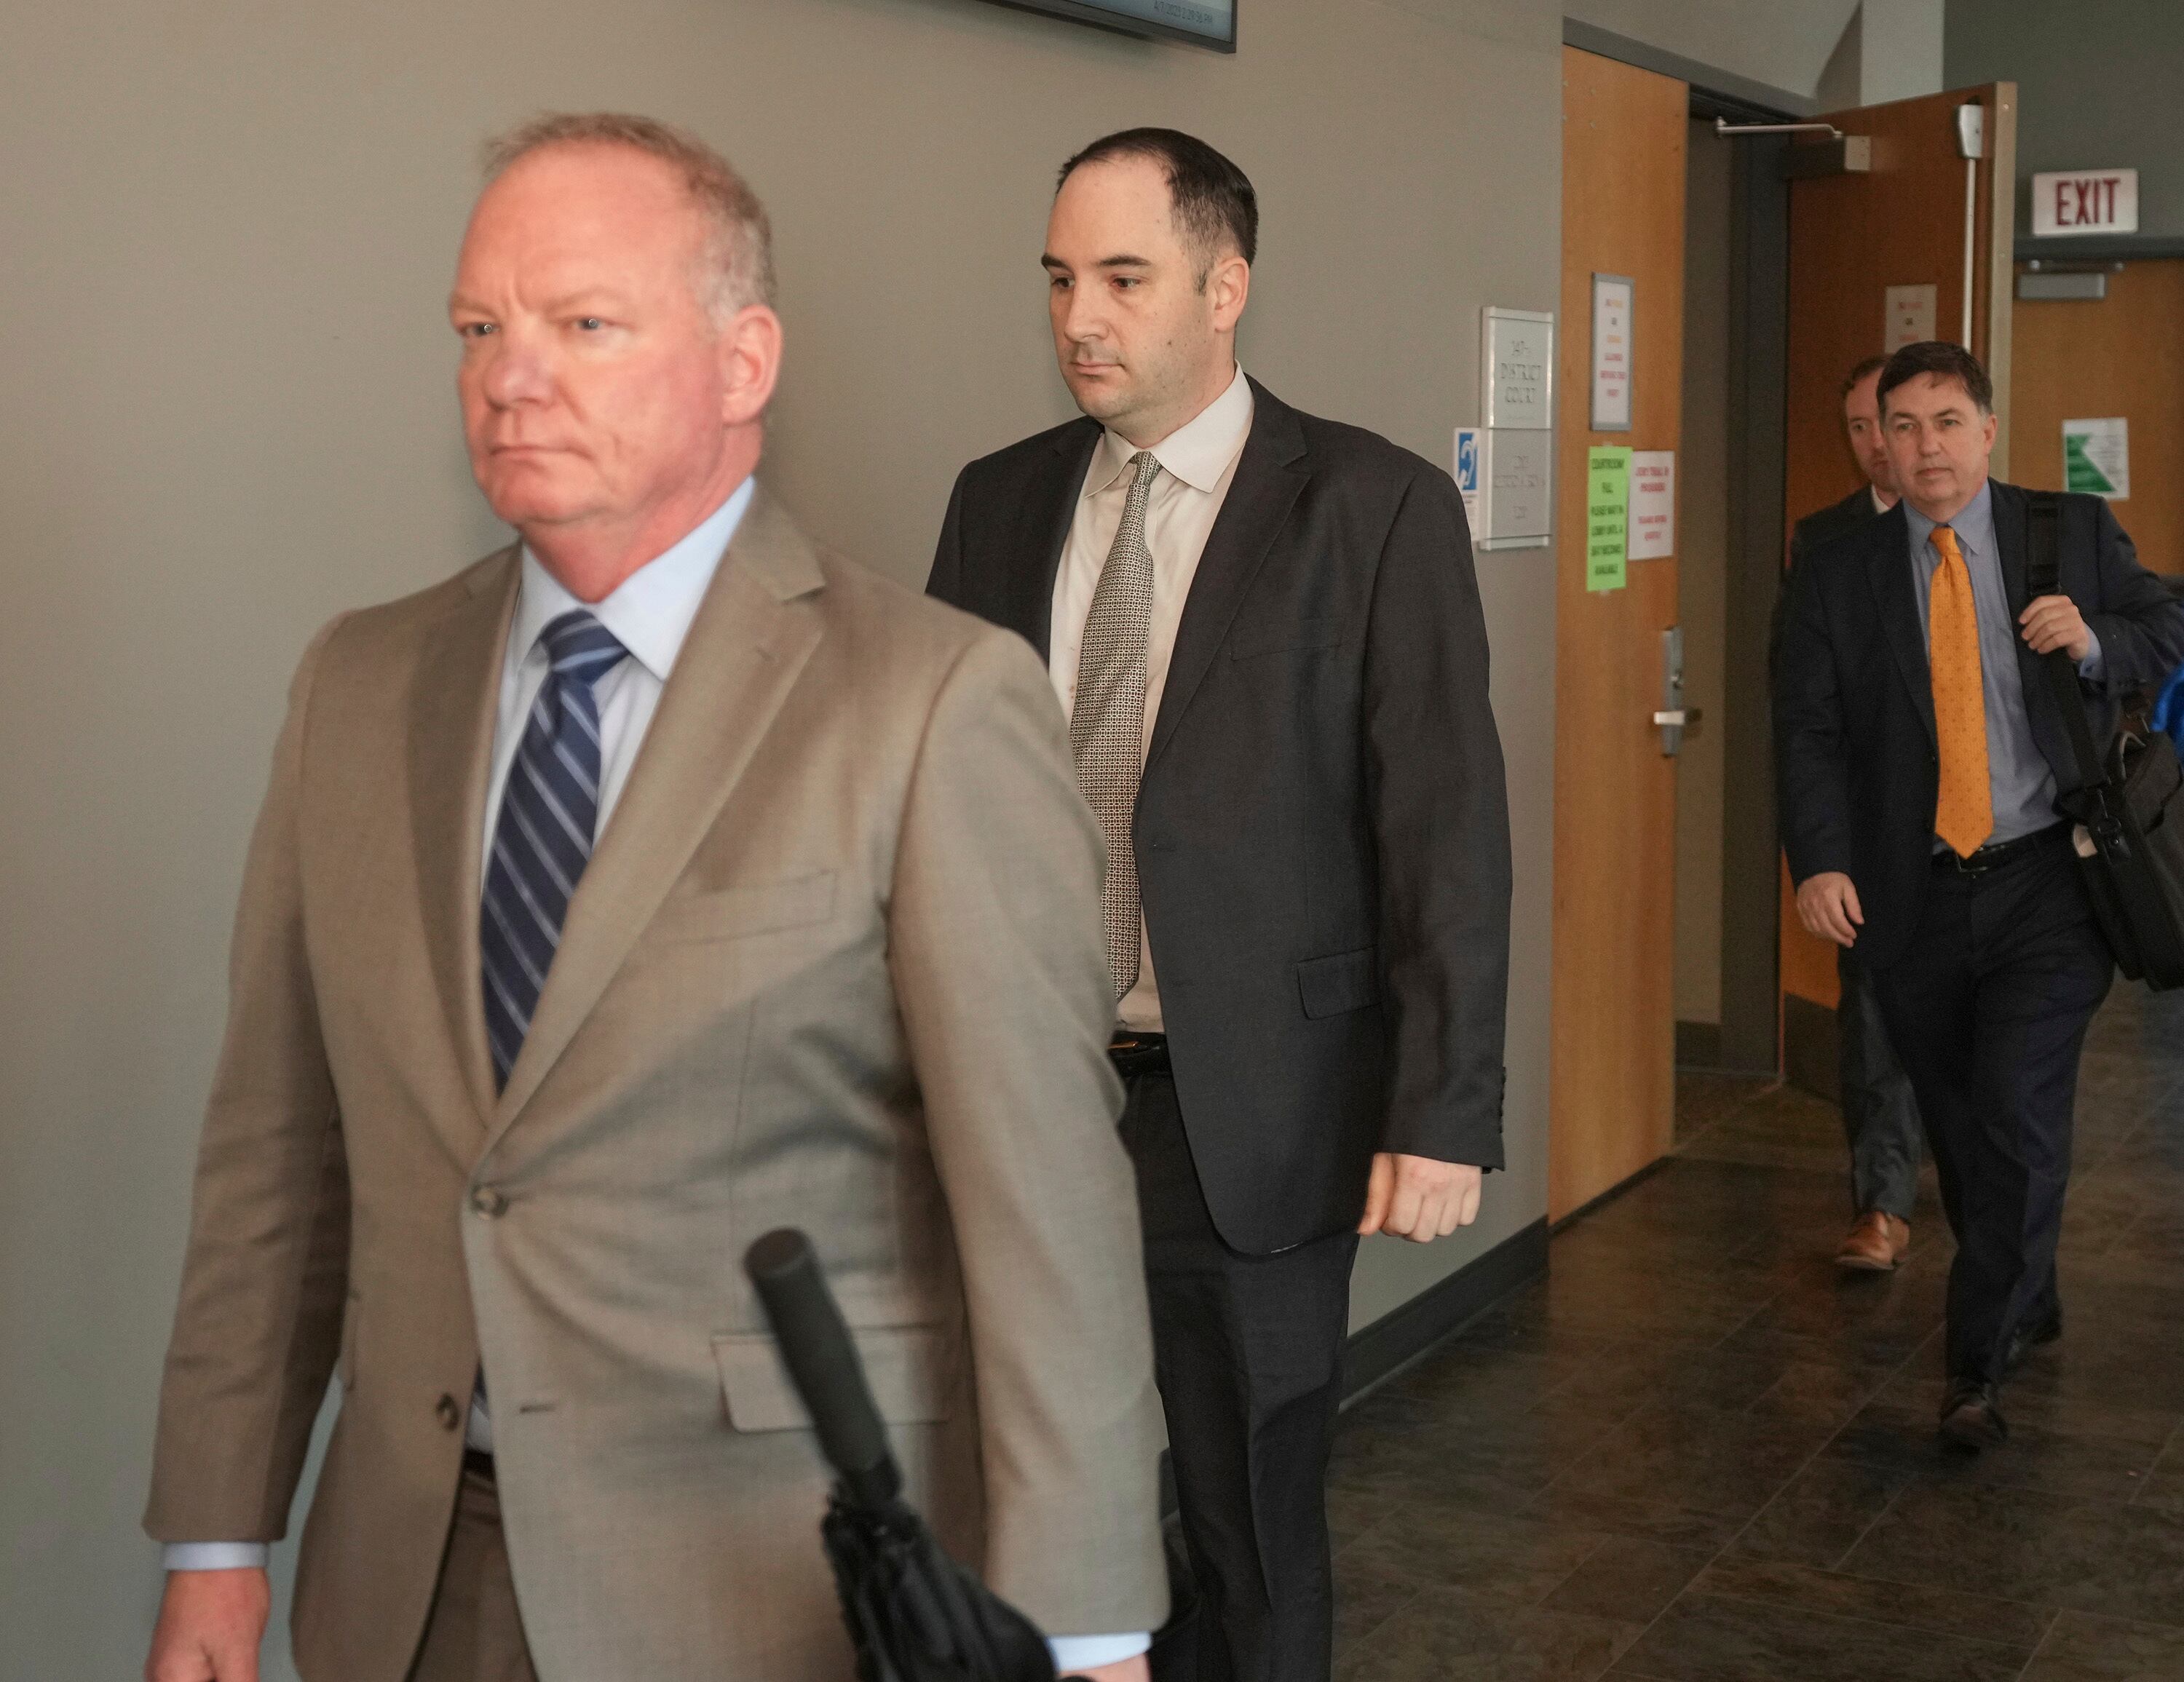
(1857, 766)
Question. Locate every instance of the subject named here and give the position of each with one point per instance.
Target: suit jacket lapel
(1888, 560)
(1269, 475)
(753, 633)
(454, 698)
(1025, 603)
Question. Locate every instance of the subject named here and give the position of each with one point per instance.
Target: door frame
(1749, 1041)
(1759, 446)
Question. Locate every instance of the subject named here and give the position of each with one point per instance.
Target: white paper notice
(1910, 317)
(1652, 505)
(1611, 353)
(2096, 457)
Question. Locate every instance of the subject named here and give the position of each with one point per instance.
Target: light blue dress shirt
(2020, 784)
(650, 614)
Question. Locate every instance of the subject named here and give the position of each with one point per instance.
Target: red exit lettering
(2089, 201)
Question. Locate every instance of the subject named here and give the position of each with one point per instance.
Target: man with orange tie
(1919, 756)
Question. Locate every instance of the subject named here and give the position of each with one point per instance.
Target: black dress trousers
(1988, 1010)
(1881, 1115)
(1247, 1350)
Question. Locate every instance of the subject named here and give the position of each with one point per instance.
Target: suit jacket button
(488, 1200)
(447, 1412)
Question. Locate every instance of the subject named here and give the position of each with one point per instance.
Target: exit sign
(2085, 202)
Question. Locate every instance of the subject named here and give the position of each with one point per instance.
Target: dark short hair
(1944, 362)
(1211, 199)
(1864, 370)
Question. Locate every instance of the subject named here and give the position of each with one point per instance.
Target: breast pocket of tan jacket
(746, 910)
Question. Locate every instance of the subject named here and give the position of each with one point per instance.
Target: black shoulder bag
(2128, 808)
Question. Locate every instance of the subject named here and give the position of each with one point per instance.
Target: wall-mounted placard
(1520, 481)
(1517, 368)
(1611, 352)
(1506, 476)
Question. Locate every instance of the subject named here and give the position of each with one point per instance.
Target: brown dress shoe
(1970, 1417)
(1876, 1243)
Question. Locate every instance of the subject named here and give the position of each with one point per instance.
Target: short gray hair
(739, 259)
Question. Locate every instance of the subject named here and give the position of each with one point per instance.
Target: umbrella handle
(823, 1363)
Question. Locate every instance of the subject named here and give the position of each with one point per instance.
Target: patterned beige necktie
(1964, 803)
(1107, 720)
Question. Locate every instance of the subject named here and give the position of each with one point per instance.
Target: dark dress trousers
(1879, 1113)
(1322, 843)
(1986, 978)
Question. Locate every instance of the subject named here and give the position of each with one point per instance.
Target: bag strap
(2043, 512)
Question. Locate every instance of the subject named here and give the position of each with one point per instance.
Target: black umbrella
(914, 1614)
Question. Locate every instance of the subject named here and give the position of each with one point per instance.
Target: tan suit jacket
(836, 963)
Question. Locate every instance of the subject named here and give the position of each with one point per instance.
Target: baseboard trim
(1377, 1351)
(1698, 1044)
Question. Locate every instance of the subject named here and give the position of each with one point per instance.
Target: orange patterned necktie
(1963, 810)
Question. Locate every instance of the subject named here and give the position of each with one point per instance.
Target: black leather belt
(1139, 1054)
(478, 1463)
(2001, 853)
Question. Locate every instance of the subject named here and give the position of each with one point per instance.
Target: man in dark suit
(1881, 1115)
(1267, 630)
(1919, 758)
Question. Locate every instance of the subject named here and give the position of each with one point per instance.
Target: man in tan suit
(533, 1032)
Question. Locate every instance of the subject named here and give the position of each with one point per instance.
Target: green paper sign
(2096, 457)
(1607, 517)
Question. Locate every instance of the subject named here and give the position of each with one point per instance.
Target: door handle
(1674, 717)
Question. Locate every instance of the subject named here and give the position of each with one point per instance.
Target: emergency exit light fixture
(1202, 23)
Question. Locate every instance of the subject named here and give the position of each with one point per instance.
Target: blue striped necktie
(549, 815)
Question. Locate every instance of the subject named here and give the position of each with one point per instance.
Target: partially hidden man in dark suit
(1268, 632)
(1919, 757)
(1879, 1113)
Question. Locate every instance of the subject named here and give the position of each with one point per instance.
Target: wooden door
(1902, 222)
(2082, 359)
(1613, 1103)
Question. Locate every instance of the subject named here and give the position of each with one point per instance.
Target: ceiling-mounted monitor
(1203, 23)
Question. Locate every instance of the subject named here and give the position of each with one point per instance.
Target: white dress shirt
(650, 614)
(1198, 462)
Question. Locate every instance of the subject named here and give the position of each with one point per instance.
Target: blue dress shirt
(2020, 784)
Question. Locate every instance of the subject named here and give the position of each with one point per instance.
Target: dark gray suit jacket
(1322, 833)
(1830, 522)
(1856, 763)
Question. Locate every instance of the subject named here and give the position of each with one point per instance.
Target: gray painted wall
(226, 412)
(1778, 43)
(2097, 83)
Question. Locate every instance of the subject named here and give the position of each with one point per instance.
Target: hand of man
(1419, 1198)
(210, 1625)
(2054, 622)
(1827, 905)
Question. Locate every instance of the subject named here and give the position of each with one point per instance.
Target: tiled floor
(1697, 1453)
